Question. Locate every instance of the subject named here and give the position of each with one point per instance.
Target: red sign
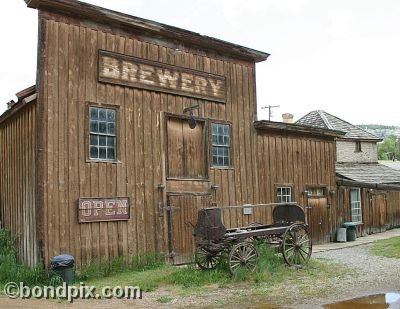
(103, 209)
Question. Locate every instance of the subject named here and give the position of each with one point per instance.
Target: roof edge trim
(110, 17)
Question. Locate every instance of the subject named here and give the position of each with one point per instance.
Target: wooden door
(378, 213)
(182, 218)
(318, 217)
(187, 183)
(186, 153)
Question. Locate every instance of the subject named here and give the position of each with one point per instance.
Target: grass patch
(11, 270)
(388, 248)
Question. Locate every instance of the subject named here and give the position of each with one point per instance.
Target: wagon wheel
(205, 259)
(296, 245)
(243, 256)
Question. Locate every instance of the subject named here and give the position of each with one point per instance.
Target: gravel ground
(373, 275)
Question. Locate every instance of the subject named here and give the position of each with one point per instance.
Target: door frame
(166, 210)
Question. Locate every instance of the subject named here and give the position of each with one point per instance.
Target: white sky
(341, 56)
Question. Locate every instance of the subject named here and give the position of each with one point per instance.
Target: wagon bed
(288, 232)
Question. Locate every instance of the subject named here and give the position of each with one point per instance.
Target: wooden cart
(288, 231)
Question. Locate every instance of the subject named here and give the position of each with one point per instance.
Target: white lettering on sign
(103, 209)
(140, 73)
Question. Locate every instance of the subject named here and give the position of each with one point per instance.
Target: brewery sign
(152, 75)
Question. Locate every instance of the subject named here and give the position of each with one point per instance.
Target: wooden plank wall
(69, 80)
(342, 213)
(294, 159)
(18, 181)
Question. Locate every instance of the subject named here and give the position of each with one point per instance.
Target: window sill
(222, 168)
(104, 161)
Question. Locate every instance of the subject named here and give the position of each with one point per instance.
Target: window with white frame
(102, 134)
(355, 202)
(221, 145)
(284, 194)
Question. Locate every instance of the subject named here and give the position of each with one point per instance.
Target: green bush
(11, 270)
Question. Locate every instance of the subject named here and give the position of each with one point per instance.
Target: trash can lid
(349, 224)
(63, 260)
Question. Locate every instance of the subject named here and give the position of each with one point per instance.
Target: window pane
(111, 141)
(94, 113)
(102, 153)
(94, 126)
(103, 127)
(102, 140)
(111, 116)
(110, 153)
(111, 128)
(94, 153)
(102, 114)
(94, 140)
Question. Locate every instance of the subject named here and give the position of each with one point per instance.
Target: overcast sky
(341, 56)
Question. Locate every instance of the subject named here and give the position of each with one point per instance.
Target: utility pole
(269, 110)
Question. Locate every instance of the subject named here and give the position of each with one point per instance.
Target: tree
(389, 148)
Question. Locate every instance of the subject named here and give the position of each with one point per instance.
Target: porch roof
(372, 173)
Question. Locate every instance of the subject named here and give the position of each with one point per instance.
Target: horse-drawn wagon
(288, 232)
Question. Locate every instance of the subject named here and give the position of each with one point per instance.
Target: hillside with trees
(381, 131)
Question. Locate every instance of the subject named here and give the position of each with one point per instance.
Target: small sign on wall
(103, 209)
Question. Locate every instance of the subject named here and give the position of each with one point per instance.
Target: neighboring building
(368, 192)
(356, 146)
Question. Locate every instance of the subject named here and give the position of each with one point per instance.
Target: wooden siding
(18, 181)
(380, 209)
(68, 81)
(300, 161)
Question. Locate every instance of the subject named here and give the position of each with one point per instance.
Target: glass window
(355, 202)
(102, 136)
(316, 192)
(221, 145)
(358, 147)
(284, 194)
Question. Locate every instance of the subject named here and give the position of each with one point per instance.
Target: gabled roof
(322, 119)
(120, 20)
(266, 125)
(25, 97)
(372, 173)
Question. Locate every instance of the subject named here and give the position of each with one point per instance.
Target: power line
(269, 110)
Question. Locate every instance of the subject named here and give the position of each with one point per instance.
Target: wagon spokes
(206, 259)
(243, 256)
(296, 245)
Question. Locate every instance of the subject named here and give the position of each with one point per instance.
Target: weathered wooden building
(368, 192)
(132, 127)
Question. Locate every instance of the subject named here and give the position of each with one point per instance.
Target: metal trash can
(351, 230)
(63, 265)
(341, 235)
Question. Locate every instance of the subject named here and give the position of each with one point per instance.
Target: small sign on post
(103, 209)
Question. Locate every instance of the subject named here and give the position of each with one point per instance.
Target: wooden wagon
(288, 232)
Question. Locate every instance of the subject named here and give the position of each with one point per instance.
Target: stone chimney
(287, 118)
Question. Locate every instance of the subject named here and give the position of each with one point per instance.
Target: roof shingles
(368, 173)
(322, 119)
